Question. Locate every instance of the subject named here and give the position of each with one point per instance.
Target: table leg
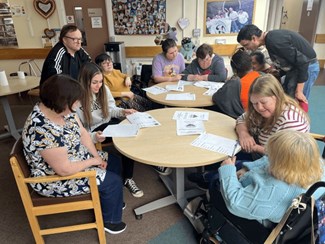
(179, 195)
(11, 123)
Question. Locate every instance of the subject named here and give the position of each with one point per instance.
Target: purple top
(161, 66)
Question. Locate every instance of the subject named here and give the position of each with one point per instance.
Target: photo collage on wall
(139, 17)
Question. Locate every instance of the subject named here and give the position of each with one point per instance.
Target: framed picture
(139, 17)
(227, 17)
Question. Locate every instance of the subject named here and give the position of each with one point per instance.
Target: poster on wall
(227, 17)
(139, 17)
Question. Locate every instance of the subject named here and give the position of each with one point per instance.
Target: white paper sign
(96, 22)
(190, 115)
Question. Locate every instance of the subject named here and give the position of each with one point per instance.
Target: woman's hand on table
(247, 142)
(129, 111)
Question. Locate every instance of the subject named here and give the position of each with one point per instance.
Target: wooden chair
(36, 205)
(34, 92)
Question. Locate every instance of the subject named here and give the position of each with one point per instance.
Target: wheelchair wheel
(210, 240)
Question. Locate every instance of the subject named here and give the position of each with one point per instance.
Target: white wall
(176, 9)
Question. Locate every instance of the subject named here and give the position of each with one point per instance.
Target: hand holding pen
(232, 158)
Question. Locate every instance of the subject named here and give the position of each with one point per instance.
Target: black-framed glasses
(74, 39)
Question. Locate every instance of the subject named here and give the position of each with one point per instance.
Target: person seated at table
(232, 98)
(96, 112)
(168, 65)
(207, 66)
(259, 64)
(67, 56)
(120, 86)
(264, 189)
(55, 142)
(269, 110)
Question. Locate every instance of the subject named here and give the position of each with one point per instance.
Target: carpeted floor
(166, 225)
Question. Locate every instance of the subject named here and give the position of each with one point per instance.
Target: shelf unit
(7, 28)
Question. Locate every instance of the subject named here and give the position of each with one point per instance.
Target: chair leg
(33, 221)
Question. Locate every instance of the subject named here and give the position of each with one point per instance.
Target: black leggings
(254, 231)
(127, 163)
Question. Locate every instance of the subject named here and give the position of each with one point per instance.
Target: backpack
(300, 223)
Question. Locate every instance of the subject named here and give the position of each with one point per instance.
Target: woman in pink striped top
(269, 110)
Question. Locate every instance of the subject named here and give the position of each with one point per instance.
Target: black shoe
(199, 180)
(115, 228)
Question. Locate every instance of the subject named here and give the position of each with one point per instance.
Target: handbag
(299, 225)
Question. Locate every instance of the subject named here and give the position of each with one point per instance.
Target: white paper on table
(185, 83)
(142, 120)
(155, 90)
(190, 115)
(181, 97)
(189, 127)
(121, 130)
(217, 144)
(175, 88)
(209, 84)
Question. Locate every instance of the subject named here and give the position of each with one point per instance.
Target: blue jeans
(111, 192)
(313, 71)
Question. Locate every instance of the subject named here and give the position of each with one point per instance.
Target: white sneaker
(163, 170)
(133, 188)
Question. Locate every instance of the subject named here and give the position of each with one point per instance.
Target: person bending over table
(55, 142)
(120, 86)
(168, 65)
(290, 52)
(264, 189)
(269, 110)
(207, 66)
(232, 98)
(96, 112)
(67, 56)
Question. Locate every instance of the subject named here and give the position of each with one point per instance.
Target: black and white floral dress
(39, 133)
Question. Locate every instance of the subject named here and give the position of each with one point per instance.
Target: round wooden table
(15, 86)
(200, 101)
(161, 146)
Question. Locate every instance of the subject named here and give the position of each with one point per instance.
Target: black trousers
(127, 163)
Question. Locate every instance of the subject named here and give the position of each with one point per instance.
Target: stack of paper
(142, 120)
(190, 122)
(189, 127)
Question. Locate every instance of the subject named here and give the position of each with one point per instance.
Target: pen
(235, 146)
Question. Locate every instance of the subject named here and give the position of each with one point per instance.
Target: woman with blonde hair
(269, 110)
(263, 189)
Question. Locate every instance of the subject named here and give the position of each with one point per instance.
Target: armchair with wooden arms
(36, 205)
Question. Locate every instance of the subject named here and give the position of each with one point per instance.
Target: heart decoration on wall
(44, 7)
(183, 23)
(50, 33)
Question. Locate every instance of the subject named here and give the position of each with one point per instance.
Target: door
(308, 21)
(91, 19)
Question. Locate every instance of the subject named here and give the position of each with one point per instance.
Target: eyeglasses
(74, 39)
